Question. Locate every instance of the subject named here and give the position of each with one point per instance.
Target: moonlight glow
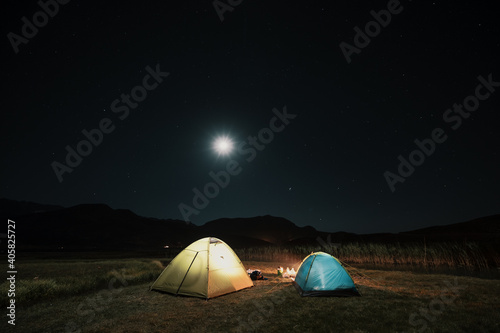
(223, 145)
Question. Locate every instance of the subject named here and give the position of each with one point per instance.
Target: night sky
(351, 110)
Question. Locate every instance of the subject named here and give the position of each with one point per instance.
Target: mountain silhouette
(98, 227)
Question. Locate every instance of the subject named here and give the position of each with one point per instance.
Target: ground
(392, 301)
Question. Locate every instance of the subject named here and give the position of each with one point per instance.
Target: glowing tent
(207, 268)
(321, 274)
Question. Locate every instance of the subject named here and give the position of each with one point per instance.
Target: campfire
(289, 273)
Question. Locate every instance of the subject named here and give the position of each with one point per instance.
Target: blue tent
(321, 274)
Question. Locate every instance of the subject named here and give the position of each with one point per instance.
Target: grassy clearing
(45, 280)
(392, 301)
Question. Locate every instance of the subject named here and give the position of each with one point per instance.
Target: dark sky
(325, 168)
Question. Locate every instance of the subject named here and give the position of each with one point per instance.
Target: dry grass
(467, 256)
(45, 280)
(389, 299)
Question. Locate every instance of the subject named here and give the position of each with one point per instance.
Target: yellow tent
(207, 268)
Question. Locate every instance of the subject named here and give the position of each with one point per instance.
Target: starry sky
(320, 108)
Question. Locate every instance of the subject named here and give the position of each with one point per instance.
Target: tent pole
(309, 271)
(177, 292)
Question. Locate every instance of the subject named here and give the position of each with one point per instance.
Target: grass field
(113, 296)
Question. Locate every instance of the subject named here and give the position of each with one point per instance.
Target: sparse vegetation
(468, 256)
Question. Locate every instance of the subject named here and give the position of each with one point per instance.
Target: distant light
(223, 145)
(165, 247)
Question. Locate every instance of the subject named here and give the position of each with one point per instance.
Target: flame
(289, 273)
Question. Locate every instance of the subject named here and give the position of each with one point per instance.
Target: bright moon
(223, 145)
